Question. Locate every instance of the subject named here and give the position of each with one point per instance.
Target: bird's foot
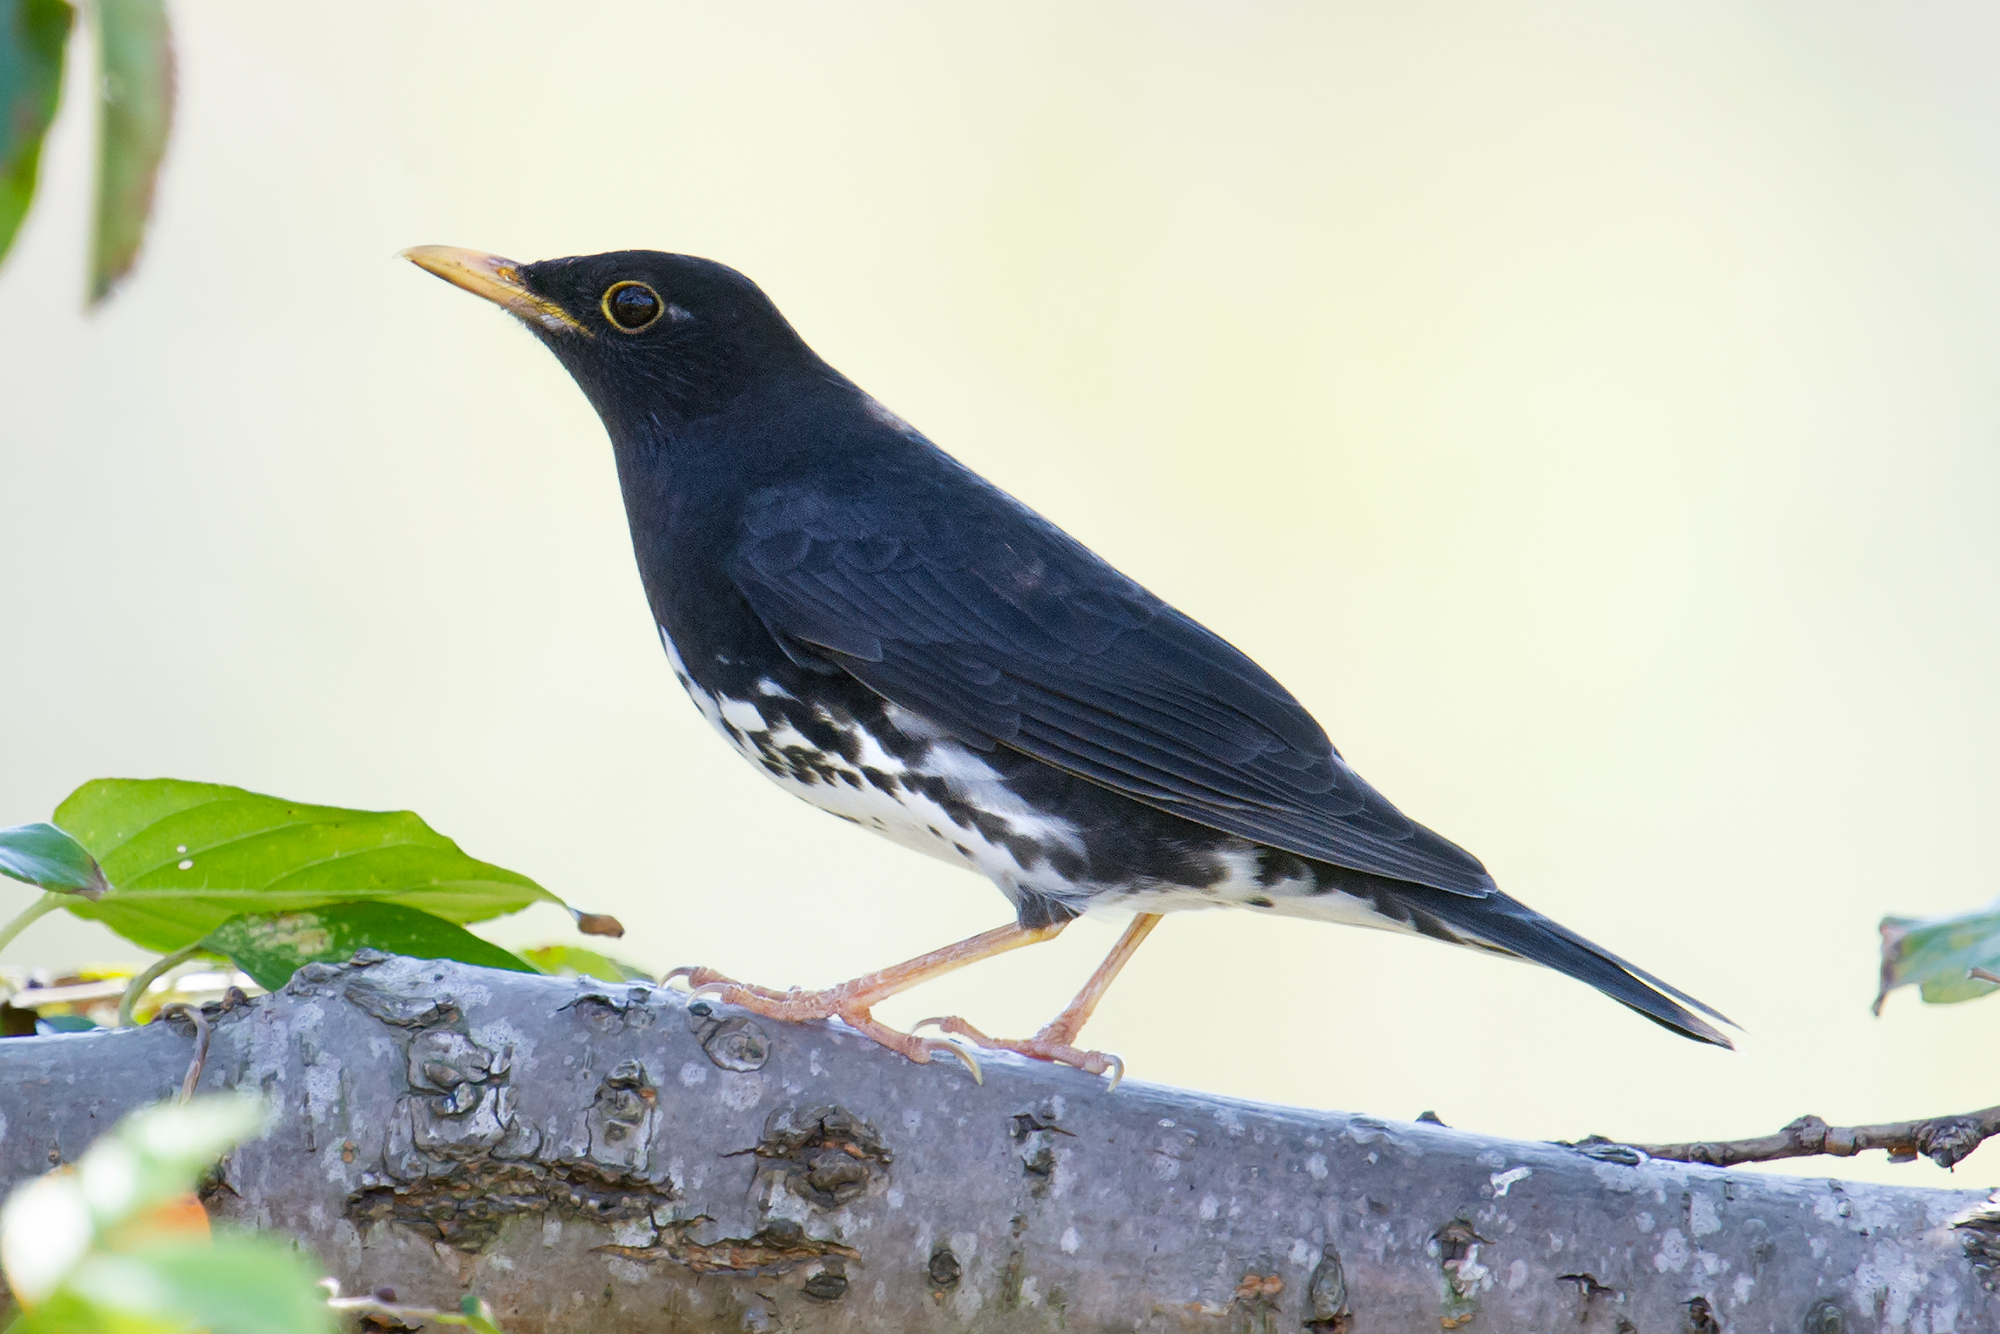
(1051, 1044)
(847, 1003)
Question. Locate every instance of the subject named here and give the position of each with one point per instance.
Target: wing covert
(1021, 637)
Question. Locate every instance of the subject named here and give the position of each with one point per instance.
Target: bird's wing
(999, 627)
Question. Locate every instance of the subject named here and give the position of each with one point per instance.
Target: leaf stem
(472, 1313)
(157, 969)
(41, 907)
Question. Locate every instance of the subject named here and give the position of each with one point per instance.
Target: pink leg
(1056, 1041)
(852, 1002)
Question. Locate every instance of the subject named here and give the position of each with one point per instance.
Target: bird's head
(650, 337)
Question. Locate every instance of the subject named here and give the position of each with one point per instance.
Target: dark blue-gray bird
(901, 643)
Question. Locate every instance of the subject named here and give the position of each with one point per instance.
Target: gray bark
(598, 1158)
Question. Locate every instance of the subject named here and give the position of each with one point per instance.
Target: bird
(888, 635)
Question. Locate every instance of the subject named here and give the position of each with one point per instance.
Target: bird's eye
(632, 306)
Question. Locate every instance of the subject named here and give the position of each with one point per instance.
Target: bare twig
(1945, 1140)
(201, 1035)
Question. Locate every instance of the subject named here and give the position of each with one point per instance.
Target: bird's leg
(1070, 1020)
(1057, 1039)
(852, 1002)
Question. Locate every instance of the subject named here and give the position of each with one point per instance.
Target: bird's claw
(972, 1065)
(1042, 1047)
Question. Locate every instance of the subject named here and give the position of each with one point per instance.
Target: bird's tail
(1502, 925)
(1499, 922)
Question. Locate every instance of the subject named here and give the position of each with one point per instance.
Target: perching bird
(898, 641)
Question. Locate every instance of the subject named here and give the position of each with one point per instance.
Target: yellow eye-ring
(632, 307)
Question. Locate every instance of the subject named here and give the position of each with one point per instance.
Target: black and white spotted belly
(895, 774)
(1055, 844)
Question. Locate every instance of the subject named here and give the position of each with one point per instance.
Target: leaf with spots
(183, 858)
(272, 946)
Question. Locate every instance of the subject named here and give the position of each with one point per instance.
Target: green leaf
(32, 33)
(44, 855)
(478, 1315)
(67, 1023)
(575, 961)
(237, 1284)
(1939, 953)
(271, 947)
(66, 1313)
(136, 108)
(53, 1223)
(186, 857)
(159, 1152)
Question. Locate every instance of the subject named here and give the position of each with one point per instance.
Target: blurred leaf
(180, 1218)
(1938, 953)
(187, 857)
(575, 961)
(136, 111)
(66, 1313)
(235, 1285)
(158, 1153)
(478, 1315)
(271, 947)
(51, 1223)
(44, 855)
(45, 1231)
(67, 1023)
(32, 33)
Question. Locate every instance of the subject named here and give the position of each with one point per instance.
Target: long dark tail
(1496, 922)
(1519, 930)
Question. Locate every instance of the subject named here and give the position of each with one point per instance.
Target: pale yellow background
(1589, 410)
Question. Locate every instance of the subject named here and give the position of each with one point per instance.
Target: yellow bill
(496, 279)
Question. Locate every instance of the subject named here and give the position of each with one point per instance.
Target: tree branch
(607, 1158)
